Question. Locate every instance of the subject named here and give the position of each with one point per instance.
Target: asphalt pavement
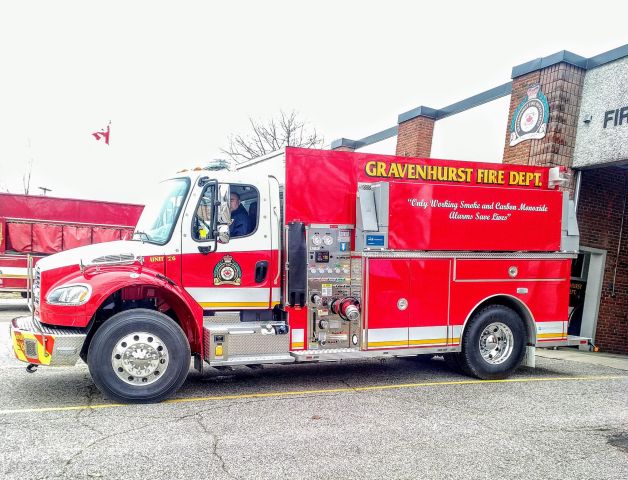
(396, 418)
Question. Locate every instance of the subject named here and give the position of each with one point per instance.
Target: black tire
(24, 294)
(169, 357)
(501, 324)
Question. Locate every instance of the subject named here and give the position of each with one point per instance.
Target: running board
(335, 354)
(570, 341)
(252, 360)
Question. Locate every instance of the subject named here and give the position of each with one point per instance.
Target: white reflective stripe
(298, 334)
(276, 294)
(217, 294)
(13, 272)
(428, 335)
(413, 334)
(455, 331)
(387, 334)
(551, 327)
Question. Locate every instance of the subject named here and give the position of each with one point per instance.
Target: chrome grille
(37, 286)
(123, 257)
(31, 348)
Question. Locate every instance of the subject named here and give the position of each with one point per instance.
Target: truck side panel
(387, 322)
(429, 302)
(407, 302)
(321, 184)
(541, 285)
(456, 217)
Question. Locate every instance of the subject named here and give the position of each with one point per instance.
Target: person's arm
(240, 226)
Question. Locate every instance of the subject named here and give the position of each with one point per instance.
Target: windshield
(161, 212)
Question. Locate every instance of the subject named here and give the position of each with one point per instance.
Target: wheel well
(513, 303)
(148, 297)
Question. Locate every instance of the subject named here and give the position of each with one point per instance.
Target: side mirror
(222, 234)
(224, 198)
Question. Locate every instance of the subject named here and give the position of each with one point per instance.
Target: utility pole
(45, 190)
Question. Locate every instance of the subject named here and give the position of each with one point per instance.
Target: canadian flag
(103, 133)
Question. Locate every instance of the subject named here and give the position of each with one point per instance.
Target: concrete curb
(611, 360)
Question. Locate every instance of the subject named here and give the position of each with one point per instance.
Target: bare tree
(288, 130)
(26, 176)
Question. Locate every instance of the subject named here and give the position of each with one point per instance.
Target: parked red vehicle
(38, 226)
(314, 256)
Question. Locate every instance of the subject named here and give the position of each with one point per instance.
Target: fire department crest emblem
(531, 117)
(227, 272)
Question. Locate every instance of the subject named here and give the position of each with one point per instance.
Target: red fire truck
(37, 226)
(313, 256)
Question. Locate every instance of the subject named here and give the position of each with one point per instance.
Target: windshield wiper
(142, 234)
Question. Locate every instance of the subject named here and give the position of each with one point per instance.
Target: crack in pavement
(84, 449)
(197, 417)
(215, 440)
(88, 412)
(215, 453)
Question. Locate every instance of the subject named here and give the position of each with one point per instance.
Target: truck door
(407, 302)
(235, 275)
(386, 320)
(428, 302)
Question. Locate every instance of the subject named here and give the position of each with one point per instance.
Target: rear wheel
(139, 356)
(493, 344)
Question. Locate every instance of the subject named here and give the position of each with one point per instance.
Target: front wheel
(139, 356)
(493, 344)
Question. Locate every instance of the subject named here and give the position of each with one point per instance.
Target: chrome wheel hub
(139, 358)
(496, 343)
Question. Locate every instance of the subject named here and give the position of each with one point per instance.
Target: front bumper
(43, 345)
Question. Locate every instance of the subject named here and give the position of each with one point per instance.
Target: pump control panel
(333, 313)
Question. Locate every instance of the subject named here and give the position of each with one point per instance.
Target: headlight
(70, 295)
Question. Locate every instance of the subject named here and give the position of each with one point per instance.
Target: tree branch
(287, 130)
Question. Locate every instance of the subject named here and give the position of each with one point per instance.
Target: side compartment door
(237, 275)
(428, 306)
(387, 296)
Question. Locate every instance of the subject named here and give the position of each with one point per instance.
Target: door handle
(261, 270)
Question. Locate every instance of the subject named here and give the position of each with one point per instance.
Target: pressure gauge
(317, 240)
(328, 240)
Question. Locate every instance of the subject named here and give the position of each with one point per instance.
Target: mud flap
(529, 358)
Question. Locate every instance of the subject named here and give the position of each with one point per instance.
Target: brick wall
(601, 196)
(599, 218)
(562, 85)
(414, 137)
(520, 153)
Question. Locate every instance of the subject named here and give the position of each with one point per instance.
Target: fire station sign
(531, 117)
(602, 126)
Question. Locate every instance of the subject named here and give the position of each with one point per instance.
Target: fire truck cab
(311, 256)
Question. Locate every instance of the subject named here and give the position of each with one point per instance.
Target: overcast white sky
(176, 78)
